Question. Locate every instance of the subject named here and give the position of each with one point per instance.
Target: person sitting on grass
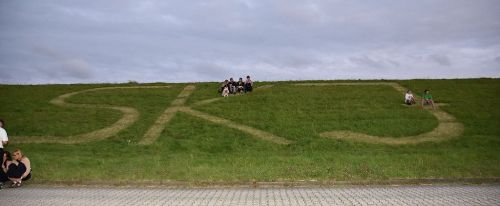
(224, 84)
(232, 86)
(19, 169)
(427, 99)
(409, 99)
(248, 85)
(225, 92)
(6, 159)
(240, 85)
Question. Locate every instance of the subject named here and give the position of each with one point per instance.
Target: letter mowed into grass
(448, 126)
(178, 106)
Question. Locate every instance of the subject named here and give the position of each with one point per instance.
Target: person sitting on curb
(6, 159)
(409, 99)
(427, 99)
(19, 169)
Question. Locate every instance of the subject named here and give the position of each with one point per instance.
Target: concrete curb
(258, 184)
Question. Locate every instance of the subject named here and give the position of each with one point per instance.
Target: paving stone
(368, 195)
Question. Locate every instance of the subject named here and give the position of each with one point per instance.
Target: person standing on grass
(4, 139)
(409, 99)
(427, 99)
(19, 169)
(248, 84)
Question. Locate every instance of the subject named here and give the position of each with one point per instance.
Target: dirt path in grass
(178, 106)
(447, 127)
(212, 100)
(159, 126)
(130, 115)
(231, 124)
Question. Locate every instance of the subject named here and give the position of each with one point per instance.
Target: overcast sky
(70, 41)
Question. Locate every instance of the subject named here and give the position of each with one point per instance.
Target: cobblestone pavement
(347, 195)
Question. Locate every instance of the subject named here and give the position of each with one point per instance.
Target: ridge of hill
(282, 131)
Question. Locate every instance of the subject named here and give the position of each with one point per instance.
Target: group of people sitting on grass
(426, 98)
(16, 167)
(232, 87)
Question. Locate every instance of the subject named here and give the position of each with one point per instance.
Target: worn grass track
(275, 134)
(448, 127)
(130, 115)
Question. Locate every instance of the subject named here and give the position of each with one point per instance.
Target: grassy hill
(192, 148)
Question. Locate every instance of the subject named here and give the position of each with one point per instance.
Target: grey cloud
(440, 59)
(4, 73)
(120, 40)
(62, 66)
(303, 12)
(291, 60)
(209, 70)
(497, 59)
(366, 61)
(77, 68)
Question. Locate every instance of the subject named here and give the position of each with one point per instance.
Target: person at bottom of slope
(6, 159)
(19, 169)
(4, 139)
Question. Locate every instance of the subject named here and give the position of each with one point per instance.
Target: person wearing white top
(4, 139)
(409, 99)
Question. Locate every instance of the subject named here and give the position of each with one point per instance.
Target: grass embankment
(192, 149)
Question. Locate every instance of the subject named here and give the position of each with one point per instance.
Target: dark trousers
(15, 171)
(248, 88)
(3, 176)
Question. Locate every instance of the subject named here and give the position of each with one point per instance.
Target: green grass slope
(192, 149)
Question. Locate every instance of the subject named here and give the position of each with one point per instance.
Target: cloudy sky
(70, 41)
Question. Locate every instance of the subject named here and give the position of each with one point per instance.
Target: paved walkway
(372, 195)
